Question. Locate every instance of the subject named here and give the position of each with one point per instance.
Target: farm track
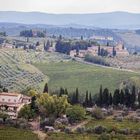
(89, 63)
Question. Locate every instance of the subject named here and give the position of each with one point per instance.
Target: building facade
(11, 103)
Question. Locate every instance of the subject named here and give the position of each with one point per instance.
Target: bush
(119, 118)
(99, 129)
(59, 125)
(90, 130)
(80, 130)
(48, 122)
(124, 131)
(75, 113)
(98, 114)
(104, 136)
(67, 130)
(96, 60)
(120, 137)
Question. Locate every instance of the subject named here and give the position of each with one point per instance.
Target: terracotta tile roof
(9, 94)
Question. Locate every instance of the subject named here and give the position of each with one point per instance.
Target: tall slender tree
(133, 96)
(127, 98)
(90, 100)
(116, 97)
(105, 99)
(122, 97)
(46, 90)
(77, 96)
(86, 102)
(100, 101)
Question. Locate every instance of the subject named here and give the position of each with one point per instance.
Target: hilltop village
(96, 45)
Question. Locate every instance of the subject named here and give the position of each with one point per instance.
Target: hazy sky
(70, 6)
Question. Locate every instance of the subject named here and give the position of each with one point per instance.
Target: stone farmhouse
(11, 103)
(94, 50)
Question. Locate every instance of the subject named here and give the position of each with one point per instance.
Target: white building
(11, 103)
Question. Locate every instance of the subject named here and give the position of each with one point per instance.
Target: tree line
(127, 97)
(30, 33)
(96, 60)
(66, 46)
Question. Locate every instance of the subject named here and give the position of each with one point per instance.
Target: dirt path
(41, 135)
(73, 128)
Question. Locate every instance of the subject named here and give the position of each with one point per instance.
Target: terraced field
(17, 72)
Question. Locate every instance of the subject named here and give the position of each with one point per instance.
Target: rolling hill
(72, 75)
(119, 20)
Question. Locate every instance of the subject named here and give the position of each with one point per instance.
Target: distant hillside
(119, 20)
(16, 28)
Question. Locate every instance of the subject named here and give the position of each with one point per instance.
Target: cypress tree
(66, 91)
(116, 97)
(100, 96)
(46, 88)
(62, 92)
(139, 99)
(90, 100)
(73, 101)
(122, 97)
(114, 51)
(133, 96)
(33, 104)
(105, 99)
(127, 98)
(77, 96)
(86, 102)
(110, 99)
(99, 50)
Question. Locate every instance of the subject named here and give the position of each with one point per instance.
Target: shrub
(120, 137)
(124, 131)
(48, 122)
(59, 125)
(80, 130)
(99, 129)
(98, 114)
(75, 113)
(67, 130)
(104, 136)
(90, 130)
(96, 60)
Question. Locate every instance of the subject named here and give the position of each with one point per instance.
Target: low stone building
(11, 103)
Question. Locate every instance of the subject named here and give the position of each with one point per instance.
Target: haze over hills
(117, 20)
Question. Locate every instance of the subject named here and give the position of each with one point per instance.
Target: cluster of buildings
(108, 38)
(118, 50)
(11, 103)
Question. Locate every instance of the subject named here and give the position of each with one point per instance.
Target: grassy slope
(131, 38)
(9, 133)
(86, 77)
(109, 123)
(63, 136)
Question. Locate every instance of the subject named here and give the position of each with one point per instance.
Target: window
(15, 100)
(9, 100)
(3, 99)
